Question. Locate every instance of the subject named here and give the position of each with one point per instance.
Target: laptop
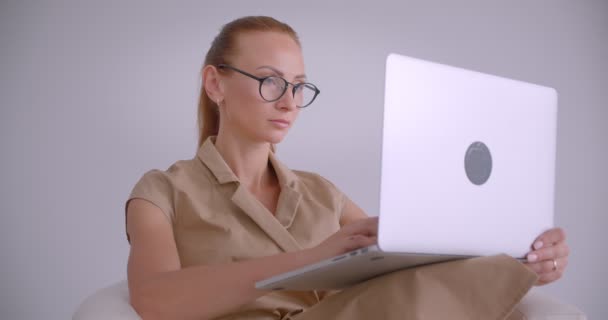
(468, 162)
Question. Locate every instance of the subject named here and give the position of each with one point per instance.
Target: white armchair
(112, 303)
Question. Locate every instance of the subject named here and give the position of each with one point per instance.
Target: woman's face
(244, 110)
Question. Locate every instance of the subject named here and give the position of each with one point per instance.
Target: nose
(287, 101)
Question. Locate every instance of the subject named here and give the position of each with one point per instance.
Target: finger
(549, 237)
(359, 241)
(549, 277)
(549, 252)
(547, 266)
(365, 226)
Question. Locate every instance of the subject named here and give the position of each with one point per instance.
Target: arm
(160, 289)
(351, 213)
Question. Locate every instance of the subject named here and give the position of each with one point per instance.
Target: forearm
(205, 292)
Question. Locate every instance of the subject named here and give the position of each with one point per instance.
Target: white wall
(94, 94)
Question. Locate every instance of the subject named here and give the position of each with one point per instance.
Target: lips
(280, 121)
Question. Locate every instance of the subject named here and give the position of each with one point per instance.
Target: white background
(92, 95)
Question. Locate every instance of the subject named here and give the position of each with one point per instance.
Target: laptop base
(349, 269)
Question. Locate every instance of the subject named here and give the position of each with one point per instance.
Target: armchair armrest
(540, 306)
(110, 303)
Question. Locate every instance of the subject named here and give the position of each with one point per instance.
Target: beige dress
(217, 220)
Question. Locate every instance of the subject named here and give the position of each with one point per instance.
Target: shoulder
(164, 187)
(316, 186)
(313, 180)
(177, 176)
(324, 191)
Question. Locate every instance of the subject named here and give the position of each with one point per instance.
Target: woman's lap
(477, 288)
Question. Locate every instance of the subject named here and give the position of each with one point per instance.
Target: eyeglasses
(272, 88)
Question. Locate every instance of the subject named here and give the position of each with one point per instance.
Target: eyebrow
(300, 76)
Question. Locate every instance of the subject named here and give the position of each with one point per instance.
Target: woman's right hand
(358, 234)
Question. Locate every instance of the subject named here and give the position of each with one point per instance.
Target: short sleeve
(339, 197)
(156, 187)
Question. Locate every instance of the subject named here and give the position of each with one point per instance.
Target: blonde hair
(222, 47)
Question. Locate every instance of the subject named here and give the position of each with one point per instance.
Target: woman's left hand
(549, 256)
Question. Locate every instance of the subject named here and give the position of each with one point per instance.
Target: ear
(212, 83)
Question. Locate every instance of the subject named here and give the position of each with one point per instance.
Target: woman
(205, 230)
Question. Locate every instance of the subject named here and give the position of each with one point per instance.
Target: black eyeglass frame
(287, 83)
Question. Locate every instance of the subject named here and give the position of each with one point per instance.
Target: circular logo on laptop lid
(478, 163)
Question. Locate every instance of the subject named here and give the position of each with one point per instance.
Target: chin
(275, 137)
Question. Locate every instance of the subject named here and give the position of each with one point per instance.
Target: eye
(274, 81)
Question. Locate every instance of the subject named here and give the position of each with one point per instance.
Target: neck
(247, 159)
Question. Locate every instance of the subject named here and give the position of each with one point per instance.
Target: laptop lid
(468, 161)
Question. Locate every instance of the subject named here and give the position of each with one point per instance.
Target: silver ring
(554, 264)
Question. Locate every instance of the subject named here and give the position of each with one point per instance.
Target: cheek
(241, 91)
(244, 100)
(246, 113)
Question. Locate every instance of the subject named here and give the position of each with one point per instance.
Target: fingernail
(538, 245)
(532, 257)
